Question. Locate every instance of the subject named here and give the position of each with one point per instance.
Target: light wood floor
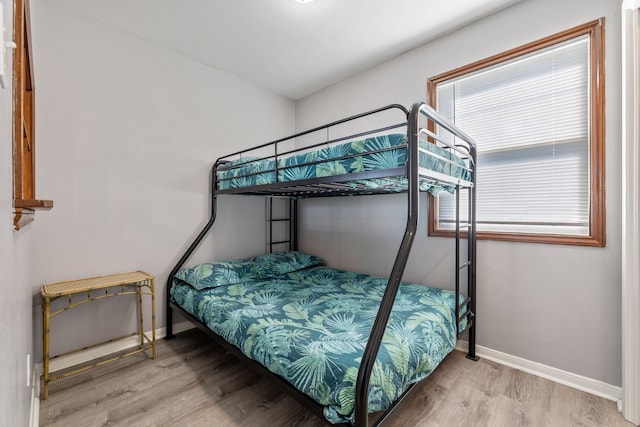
(195, 383)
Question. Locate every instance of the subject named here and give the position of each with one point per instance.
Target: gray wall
(556, 305)
(16, 252)
(127, 134)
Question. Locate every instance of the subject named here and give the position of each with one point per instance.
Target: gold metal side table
(135, 283)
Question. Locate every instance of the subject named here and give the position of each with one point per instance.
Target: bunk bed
(336, 340)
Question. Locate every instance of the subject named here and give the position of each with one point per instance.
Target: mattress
(309, 324)
(374, 153)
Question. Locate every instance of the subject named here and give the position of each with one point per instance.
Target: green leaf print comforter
(309, 324)
(374, 153)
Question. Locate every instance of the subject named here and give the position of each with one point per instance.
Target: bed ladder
(467, 228)
(282, 225)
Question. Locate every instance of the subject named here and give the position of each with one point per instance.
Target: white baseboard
(589, 385)
(579, 382)
(64, 362)
(34, 414)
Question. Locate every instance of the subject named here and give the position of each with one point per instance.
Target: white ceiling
(289, 48)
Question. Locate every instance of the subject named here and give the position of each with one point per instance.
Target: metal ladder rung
(465, 265)
(465, 302)
(286, 216)
(280, 242)
(468, 315)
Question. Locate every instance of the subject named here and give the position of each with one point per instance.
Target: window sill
(552, 239)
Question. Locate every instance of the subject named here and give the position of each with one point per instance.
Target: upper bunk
(368, 153)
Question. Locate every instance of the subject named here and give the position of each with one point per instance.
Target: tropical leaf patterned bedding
(351, 157)
(310, 325)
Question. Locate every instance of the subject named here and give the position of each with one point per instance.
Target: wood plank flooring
(195, 383)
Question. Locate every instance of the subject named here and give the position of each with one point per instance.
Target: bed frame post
(191, 249)
(470, 147)
(361, 410)
(293, 223)
(472, 240)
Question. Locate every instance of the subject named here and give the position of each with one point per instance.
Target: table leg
(153, 318)
(45, 346)
(141, 317)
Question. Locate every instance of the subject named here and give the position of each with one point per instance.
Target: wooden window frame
(24, 180)
(597, 208)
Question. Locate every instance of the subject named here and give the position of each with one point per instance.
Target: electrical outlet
(28, 370)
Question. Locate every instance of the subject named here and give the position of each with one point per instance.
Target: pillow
(261, 267)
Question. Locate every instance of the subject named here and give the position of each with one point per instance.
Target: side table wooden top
(90, 283)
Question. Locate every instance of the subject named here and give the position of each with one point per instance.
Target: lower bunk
(309, 324)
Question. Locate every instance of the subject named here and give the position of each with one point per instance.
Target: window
(537, 115)
(24, 191)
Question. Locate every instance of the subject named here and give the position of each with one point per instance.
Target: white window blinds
(530, 119)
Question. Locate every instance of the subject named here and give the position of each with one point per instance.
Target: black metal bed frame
(351, 184)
